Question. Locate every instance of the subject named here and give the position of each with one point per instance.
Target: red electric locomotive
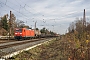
(23, 33)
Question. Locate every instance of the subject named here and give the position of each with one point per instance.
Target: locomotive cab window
(18, 30)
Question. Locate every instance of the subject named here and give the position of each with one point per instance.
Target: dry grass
(55, 50)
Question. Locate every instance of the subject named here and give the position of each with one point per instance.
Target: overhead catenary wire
(18, 11)
(15, 10)
(31, 8)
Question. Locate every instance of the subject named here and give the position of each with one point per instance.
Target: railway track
(11, 47)
(10, 44)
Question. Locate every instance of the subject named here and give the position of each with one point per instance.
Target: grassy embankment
(58, 49)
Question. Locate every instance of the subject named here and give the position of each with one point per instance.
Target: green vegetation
(3, 25)
(47, 32)
(4, 22)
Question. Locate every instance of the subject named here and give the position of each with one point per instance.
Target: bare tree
(79, 26)
(71, 27)
(19, 24)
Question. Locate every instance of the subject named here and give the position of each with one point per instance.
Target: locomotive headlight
(20, 33)
(15, 33)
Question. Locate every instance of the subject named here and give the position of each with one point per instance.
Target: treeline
(46, 31)
(6, 24)
(80, 30)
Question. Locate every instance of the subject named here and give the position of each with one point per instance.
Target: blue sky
(55, 15)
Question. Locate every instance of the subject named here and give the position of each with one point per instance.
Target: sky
(54, 15)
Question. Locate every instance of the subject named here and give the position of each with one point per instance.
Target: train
(25, 33)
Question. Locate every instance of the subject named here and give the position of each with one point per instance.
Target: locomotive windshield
(18, 30)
